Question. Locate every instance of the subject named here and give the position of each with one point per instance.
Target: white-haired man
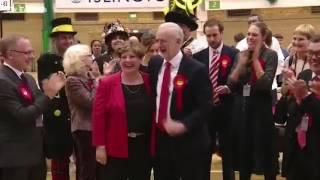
(183, 98)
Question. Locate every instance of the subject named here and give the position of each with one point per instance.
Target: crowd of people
(163, 102)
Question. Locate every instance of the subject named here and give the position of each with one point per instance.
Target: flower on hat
(114, 27)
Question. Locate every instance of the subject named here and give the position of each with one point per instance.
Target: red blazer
(109, 117)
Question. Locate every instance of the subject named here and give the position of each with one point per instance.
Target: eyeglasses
(23, 52)
(314, 53)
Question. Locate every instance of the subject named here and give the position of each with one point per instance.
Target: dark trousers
(37, 172)
(303, 167)
(136, 167)
(85, 155)
(247, 166)
(226, 155)
(172, 163)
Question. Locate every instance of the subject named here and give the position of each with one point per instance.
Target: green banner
(47, 18)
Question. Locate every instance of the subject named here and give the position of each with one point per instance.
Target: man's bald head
(170, 39)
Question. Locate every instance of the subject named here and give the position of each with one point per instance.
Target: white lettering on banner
(110, 4)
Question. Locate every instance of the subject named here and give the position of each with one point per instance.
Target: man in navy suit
(183, 94)
(218, 59)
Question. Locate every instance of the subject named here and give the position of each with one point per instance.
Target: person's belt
(134, 134)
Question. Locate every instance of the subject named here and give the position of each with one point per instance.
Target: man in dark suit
(58, 139)
(218, 59)
(304, 136)
(21, 108)
(183, 94)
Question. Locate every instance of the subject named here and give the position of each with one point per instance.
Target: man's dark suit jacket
(20, 139)
(310, 154)
(227, 58)
(196, 104)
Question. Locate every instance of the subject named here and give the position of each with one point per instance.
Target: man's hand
(299, 88)
(174, 128)
(315, 87)
(187, 51)
(108, 67)
(222, 90)
(287, 73)
(101, 155)
(53, 84)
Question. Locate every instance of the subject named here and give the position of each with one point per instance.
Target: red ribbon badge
(225, 62)
(179, 83)
(25, 94)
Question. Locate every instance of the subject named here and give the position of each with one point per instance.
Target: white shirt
(14, 69)
(275, 45)
(219, 49)
(175, 64)
(197, 45)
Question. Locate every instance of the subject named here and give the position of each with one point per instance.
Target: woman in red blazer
(123, 123)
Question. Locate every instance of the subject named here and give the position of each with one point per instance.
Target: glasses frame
(23, 52)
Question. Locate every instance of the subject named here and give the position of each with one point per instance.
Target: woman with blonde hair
(300, 41)
(80, 90)
(294, 64)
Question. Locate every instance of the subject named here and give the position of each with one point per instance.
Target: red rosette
(25, 93)
(225, 62)
(179, 83)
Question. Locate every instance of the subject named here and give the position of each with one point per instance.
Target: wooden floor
(215, 171)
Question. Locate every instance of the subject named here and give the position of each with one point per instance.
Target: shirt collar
(314, 75)
(175, 61)
(13, 69)
(219, 49)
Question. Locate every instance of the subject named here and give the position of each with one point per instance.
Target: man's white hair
(172, 28)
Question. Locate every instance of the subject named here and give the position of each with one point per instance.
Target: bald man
(183, 101)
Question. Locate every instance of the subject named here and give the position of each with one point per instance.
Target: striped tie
(214, 70)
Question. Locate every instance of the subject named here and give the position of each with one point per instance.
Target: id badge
(304, 123)
(246, 90)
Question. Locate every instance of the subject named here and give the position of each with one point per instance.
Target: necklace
(132, 91)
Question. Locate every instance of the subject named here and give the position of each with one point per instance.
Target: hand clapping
(298, 88)
(53, 84)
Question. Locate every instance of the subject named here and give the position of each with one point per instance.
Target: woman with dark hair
(123, 126)
(96, 48)
(115, 36)
(253, 129)
(148, 40)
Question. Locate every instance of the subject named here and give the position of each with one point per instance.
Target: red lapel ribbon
(179, 84)
(225, 62)
(25, 93)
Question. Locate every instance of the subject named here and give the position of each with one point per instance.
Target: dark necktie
(24, 78)
(164, 96)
